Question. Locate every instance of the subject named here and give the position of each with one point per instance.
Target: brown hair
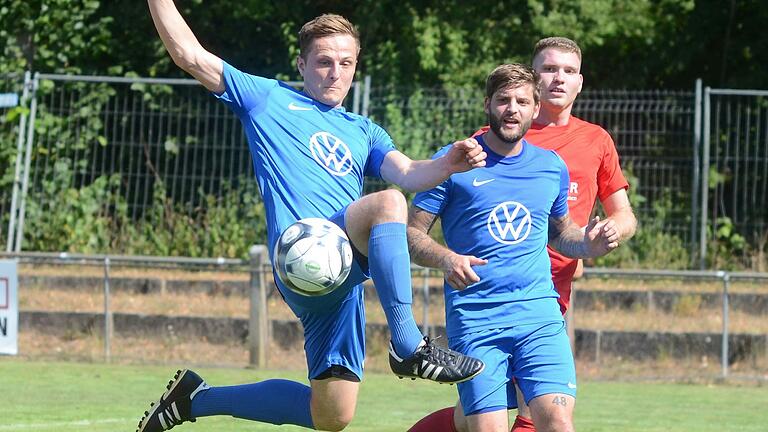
(512, 75)
(325, 25)
(559, 43)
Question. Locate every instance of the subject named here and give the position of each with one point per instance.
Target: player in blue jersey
(310, 157)
(501, 304)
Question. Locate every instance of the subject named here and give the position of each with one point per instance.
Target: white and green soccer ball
(313, 257)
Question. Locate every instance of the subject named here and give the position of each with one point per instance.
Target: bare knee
(389, 206)
(459, 420)
(550, 419)
(334, 415)
(333, 421)
(333, 403)
(377, 208)
(556, 424)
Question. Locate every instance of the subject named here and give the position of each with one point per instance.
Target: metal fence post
(258, 331)
(651, 302)
(705, 181)
(356, 97)
(366, 95)
(724, 353)
(27, 163)
(108, 320)
(598, 342)
(19, 156)
(696, 183)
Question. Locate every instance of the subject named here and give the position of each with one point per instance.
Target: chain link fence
(653, 132)
(735, 152)
(12, 123)
(135, 165)
(113, 151)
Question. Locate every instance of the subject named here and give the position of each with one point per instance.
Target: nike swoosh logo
(477, 182)
(571, 385)
(293, 107)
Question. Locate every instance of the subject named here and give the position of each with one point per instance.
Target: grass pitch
(42, 396)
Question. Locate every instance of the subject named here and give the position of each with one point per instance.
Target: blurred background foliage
(409, 47)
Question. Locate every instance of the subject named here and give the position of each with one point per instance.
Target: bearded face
(510, 112)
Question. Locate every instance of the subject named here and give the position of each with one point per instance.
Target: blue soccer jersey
(309, 158)
(501, 213)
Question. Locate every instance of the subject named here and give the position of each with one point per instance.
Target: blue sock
(273, 401)
(390, 266)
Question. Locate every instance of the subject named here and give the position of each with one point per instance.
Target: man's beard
(508, 136)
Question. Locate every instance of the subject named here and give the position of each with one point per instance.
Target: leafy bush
(94, 219)
(225, 226)
(61, 217)
(652, 246)
(728, 250)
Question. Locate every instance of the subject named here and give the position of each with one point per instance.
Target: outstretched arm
(183, 46)
(596, 240)
(426, 252)
(417, 176)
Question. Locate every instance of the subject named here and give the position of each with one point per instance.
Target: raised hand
(465, 155)
(601, 237)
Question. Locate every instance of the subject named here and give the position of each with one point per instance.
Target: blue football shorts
(334, 323)
(536, 356)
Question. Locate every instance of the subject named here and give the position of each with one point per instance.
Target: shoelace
(437, 354)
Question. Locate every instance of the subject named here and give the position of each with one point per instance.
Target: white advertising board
(9, 308)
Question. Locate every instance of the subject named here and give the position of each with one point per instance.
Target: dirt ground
(689, 319)
(88, 347)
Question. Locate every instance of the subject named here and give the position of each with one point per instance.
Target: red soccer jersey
(593, 165)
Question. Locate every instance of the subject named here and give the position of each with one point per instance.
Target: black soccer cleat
(433, 362)
(175, 405)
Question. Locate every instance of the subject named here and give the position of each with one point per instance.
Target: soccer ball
(313, 257)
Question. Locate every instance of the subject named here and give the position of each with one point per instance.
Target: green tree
(51, 35)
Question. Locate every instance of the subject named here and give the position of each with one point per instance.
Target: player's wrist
(447, 262)
(445, 166)
(586, 250)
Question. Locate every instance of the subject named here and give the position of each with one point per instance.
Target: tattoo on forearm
(566, 238)
(571, 245)
(560, 400)
(420, 246)
(423, 249)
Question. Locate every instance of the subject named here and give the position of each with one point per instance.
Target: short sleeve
(609, 176)
(481, 131)
(560, 205)
(435, 199)
(242, 91)
(380, 145)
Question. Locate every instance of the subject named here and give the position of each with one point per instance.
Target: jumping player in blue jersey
(501, 304)
(310, 157)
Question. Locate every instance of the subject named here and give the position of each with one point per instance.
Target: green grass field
(62, 397)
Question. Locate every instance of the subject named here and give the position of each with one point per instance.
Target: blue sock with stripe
(390, 264)
(275, 401)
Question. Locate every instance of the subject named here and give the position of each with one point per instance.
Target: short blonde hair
(512, 75)
(559, 43)
(325, 25)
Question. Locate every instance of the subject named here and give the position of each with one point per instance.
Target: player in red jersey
(593, 165)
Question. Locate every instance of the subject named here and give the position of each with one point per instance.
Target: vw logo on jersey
(331, 153)
(509, 222)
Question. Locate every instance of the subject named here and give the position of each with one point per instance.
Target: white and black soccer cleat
(175, 405)
(433, 362)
